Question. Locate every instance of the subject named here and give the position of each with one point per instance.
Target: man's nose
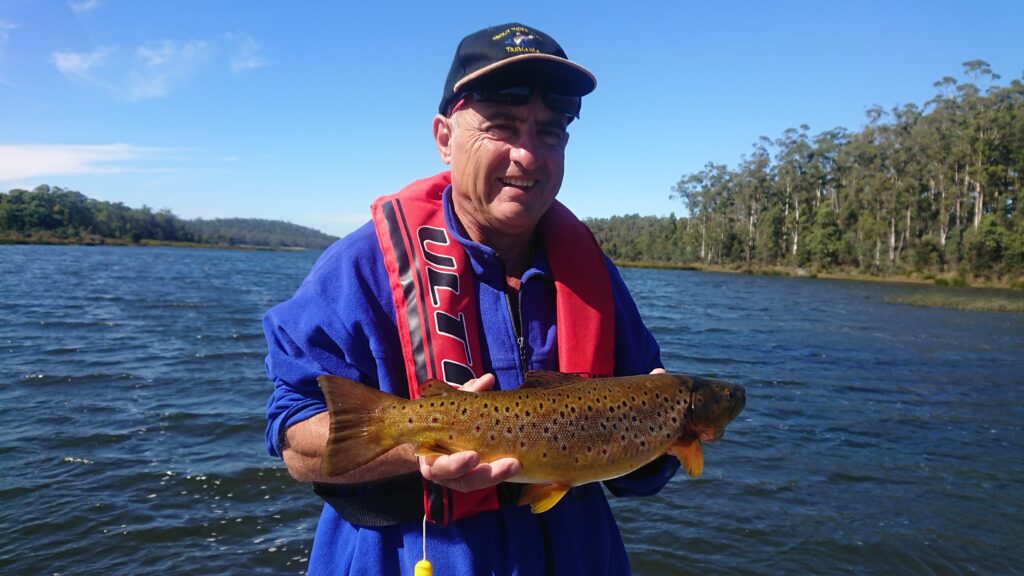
(526, 151)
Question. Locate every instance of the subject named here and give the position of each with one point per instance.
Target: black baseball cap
(513, 54)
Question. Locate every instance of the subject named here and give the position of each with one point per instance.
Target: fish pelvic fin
(690, 454)
(354, 438)
(542, 497)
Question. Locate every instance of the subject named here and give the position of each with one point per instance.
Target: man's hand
(463, 471)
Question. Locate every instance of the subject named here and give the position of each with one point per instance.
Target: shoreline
(943, 280)
(100, 241)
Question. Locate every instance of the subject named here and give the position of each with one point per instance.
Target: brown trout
(565, 430)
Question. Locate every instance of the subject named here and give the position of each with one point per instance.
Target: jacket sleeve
(335, 323)
(636, 352)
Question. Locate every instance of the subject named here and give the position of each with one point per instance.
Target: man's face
(507, 164)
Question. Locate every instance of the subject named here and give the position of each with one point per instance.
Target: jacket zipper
(515, 312)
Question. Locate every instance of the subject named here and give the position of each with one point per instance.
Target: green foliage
(930, 189)
(56, 214)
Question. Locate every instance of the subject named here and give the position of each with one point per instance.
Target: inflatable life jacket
(433, 289)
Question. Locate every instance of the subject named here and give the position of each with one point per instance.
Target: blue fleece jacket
(342, 321)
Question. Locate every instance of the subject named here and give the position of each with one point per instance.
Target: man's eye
(553, 137)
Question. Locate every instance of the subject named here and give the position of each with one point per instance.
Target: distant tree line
(919, 189)
(51, 213)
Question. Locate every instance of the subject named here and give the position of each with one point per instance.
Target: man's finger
(485, 475)
(481, 384)
(439, 468)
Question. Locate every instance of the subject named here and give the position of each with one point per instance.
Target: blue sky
(306, 111)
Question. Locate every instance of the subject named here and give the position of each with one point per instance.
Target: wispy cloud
(247, 53)
(156, 69)
(83, 6)
(5, 34)
(30, 161)
(163, 66)
(150, 71)
(81, 64)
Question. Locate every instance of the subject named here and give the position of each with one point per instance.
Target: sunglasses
(519, 95)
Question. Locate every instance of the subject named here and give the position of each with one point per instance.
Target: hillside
(52, 214)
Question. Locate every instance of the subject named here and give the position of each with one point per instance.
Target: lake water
(878, 438)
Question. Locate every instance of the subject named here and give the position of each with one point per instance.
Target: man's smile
(518, 182)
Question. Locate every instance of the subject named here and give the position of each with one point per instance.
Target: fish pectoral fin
(432, 449)
(542, 497)
(691, 454)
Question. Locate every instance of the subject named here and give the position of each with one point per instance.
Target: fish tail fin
(354, 438)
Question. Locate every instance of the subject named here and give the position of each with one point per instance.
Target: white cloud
(247, 54)
(81, 64)
(5, 28)
(83, 6)
(30, 161)
(164, 65)
(151, 71)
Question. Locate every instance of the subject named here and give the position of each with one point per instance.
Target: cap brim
(557, 74)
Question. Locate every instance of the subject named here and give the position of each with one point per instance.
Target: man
(474, 277)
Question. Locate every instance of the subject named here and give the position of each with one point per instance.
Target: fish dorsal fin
(435, 387)
(549, 379)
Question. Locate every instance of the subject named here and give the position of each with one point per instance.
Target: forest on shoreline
(53, 215)
(926, 192)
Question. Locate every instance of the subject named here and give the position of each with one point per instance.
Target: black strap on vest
(393, 500)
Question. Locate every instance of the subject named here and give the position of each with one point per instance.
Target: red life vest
(435, 303)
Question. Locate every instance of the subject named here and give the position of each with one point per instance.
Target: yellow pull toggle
(423, 567)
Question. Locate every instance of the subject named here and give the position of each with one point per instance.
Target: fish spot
(493, 436)
(431, 404)
(565, 448)
(485, 405)
(497, 410)
(508, 409)
(544, 455)
(522, 443)
(604, 451)
(561, 413)
(590, 407)
(435, 420)
(572, 409)
(464, 411)
(589, 449)
(410, 420)
(478, 428)
(643, 444)
(528, 413)
(547, 429)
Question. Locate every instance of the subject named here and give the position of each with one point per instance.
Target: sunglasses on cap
(519, 95)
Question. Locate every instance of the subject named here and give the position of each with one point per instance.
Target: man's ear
(443, 138)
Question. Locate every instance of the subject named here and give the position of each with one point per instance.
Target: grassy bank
(963, 293)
